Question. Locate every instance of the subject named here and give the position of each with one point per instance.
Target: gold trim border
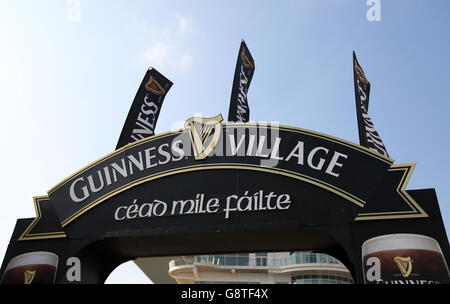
(416, 210)
(26, 236)
(350, 197)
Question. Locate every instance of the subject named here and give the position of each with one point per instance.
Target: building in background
(260, 268)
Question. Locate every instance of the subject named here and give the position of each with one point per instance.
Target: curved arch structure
(260, 187)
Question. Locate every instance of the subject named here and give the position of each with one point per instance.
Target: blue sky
(68, 77)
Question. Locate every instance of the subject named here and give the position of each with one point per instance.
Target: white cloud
(169, 50)
(184, 23)
(156, 54)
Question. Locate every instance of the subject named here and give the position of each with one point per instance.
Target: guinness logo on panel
(247, 63)
(239, 110)
(205, 133)
(29, 276)
(359, 72)
(389, 259)
(153, 86)
(145, 109)
(404, 265)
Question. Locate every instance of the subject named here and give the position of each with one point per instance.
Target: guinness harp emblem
(153, 86)
(405, 265)
(205, 133)
(360, 73)
(29, 276)
(246, 61)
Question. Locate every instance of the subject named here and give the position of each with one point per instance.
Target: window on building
(261, 259)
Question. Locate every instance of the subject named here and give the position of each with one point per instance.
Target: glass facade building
(304, 267)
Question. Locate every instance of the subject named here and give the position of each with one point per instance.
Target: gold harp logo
(405, 265)
(360, 73)
(153, 86)
(205, 133)
(245, 60)
(29, 276)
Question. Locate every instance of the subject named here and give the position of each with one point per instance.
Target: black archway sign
(241, 187)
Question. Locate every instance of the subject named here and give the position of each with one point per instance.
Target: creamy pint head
(403, 259)
(37, 267)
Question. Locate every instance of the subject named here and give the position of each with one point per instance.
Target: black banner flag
(144, 111)
(239, 110)
(368, 135)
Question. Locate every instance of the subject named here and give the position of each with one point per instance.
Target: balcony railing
(305, 257)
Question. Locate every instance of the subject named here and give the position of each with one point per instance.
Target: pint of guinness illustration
(403, 259)
(31, 268)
